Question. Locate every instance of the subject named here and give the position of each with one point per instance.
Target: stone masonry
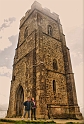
(42, 68)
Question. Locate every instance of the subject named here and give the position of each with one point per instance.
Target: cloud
(7, 54)
(5, 71)
(74, 39)
(4, 89)
(7, 29)
(4, 43)
(7, 23)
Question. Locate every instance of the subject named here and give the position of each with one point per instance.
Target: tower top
(37, 6)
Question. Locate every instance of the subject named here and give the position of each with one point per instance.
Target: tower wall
(74, 111)
(42, 68)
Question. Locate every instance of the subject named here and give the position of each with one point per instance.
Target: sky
(71, 16)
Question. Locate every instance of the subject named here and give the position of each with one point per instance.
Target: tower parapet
(45, 11)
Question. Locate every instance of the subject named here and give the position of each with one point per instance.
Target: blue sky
(71, 15)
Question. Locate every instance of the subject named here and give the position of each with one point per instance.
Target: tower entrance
(19, 101)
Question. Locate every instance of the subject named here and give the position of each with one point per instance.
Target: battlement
(38, 6)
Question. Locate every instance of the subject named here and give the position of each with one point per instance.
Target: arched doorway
(19, 101)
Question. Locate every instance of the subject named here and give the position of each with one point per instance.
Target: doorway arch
(19, 100)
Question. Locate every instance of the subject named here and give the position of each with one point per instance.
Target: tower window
(49, 30)
(26, 32)
(54, 86)
(55, 67)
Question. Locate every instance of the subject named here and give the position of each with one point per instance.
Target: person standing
(27, 105)
(33, 109)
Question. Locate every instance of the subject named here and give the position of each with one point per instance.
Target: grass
(25, 122)
(74, 123)
(7, 121)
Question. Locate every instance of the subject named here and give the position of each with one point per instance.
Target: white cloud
(5, 71)
(7, 23)
(4, 89)
(4, 43)
(76, 55)
(7, 32)
(75, 36)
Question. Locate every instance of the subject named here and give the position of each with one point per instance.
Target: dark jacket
(33, 104)
(27, 105)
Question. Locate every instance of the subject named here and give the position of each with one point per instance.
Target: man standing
(33, 109)
(27, 105)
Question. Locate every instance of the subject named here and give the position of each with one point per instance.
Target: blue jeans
(26, 112)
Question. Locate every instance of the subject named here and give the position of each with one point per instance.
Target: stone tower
(42, 68)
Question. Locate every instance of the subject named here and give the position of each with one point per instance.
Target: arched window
(49, 30)
(54, 86)
(26, 32)
(55, 67)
